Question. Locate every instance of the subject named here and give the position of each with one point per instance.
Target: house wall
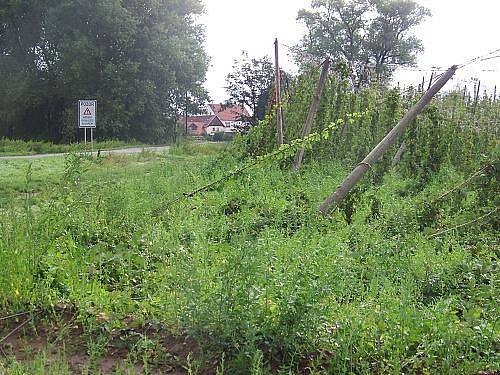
(232, 126)
(211, 130)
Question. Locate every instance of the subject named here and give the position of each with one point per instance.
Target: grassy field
(112, 276)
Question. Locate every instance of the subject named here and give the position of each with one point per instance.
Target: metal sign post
(87, 116)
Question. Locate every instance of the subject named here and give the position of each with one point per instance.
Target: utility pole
(279, 109)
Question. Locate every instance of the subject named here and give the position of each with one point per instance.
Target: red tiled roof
(229, 112)
(204, 119)
(197, 124)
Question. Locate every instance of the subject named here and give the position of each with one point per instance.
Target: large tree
(371, 36)
(249, 84)
(138, 58)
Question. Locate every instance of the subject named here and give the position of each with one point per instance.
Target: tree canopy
(249, 84)
(138, 58)
(371, 36)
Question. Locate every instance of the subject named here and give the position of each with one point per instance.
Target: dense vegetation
(214, 258)
(248, 272)
(139, 59)
(250, 84)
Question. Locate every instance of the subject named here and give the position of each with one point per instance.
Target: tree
(249, 84)
(371, 36)
(137, 58)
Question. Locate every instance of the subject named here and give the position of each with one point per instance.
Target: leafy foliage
(250, 269)
(249, 84)
(371, 36)
(137, 58)
(452, 130)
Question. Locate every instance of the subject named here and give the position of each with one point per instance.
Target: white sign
(87, 113)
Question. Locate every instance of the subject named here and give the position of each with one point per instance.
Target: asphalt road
(123, 151)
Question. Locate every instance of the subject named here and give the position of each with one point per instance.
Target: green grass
(10, 147)
(16, 182)
(188, 148)
(249, 271)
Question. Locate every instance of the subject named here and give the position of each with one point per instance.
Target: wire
(479, 58)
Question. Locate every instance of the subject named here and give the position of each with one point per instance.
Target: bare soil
(63, 339)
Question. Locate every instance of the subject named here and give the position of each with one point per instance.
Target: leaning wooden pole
(279, 109)
(384, 145)
(297, 161)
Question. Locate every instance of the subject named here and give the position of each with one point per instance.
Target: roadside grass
(186, 147)
(9, 147)
(249, 271)
(21, 177)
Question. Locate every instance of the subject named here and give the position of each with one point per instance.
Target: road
(123, 151)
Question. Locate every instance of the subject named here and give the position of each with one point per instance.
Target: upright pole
(85, 131)
(495, 93)
(279, 109)
(430, 81)
(186, 115)
(91, 139)
(297, 161)
(385, 144)
(476, 96)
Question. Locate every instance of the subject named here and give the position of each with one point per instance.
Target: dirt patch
(62, 338)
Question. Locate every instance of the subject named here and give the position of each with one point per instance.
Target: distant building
(220, 118)
(215, 126)
(233, 117)
(196, 125)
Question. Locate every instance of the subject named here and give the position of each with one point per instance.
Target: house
(234, 117)
(215, 126)
(220, 118)
(196, 125)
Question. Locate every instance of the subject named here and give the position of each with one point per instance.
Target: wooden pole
(186, 115)
(430, 81)
(279, 109)
(399, 155)
(297, 161)
(476, 97)
(384, 145)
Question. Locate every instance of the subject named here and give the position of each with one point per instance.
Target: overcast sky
(457, 31)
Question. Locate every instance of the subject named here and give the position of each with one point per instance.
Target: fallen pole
(384, 145)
